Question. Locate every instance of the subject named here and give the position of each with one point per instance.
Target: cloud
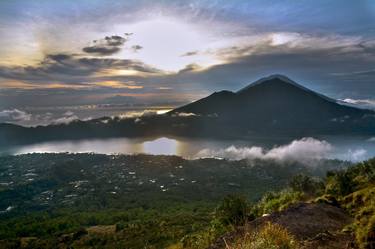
(184, 114)
(68, 113)
(371, 139)
(66, 118)
(311, 60)
(303, 150)
(363, 103)
(74, 70)
(138, 114)
(136, 48)
(59, 57)
(101, 50)
(356, 155)
(190, 68)
(14, 115)
(370, 73)
(190, 53)
(288, 42)
(119, 99)
(115, 40)
(107, 46)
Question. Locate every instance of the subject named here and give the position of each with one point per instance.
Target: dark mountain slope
(276, 102)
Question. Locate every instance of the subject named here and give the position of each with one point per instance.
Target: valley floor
(143, 201)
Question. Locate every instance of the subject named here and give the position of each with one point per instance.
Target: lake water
(345, 148)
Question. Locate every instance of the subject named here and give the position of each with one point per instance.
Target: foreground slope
(304, 222)
(337, 213)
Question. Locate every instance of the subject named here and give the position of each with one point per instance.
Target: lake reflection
(164, 146)
(159, 146)
(354, 149)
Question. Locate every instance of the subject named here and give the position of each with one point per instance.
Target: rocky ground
(315, 226)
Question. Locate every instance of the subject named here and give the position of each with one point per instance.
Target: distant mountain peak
(223, 92)
(282, 79)
(272, 78)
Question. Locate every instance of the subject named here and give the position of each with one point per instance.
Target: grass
(271, 236)
(361, 204)
(354, 189)
(277, 201)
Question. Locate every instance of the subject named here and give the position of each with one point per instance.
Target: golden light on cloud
(25, 85)
(118, 72)
(163, 88)
(118, 84)
(125, 72)
(110, 83)
(163, 111)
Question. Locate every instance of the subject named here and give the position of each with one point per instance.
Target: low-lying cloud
(23, 117)
(66, 118)
(356, 155)
(303, 150)
(14, 115)
(184, 114)
(363, 103)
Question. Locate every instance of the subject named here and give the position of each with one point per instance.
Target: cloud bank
(362, 103)
(304, 150)
(14, 115)
(24, 117)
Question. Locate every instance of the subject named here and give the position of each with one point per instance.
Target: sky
(81, 58)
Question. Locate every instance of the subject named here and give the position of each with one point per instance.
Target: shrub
(232, 210)
(306, 184)
(340, 184)
(328, 199)
(272, 202)
(361, 204)
(354, 188)
(203, 239)
(271, 236)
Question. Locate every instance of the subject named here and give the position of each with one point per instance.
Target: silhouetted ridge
(277, 103)
(278, 78)
(274, 105)
(278, 81)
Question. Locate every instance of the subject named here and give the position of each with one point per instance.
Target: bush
(354, 189)
(365, 234)
(361, 204)
(203, 239)
(306, 184)
(328, 199)
(340, 184)
(271, 236)
(232, 210)
(272, 202)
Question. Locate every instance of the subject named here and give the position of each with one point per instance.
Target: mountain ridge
(275, 89)
(272, 106)
(284, 79)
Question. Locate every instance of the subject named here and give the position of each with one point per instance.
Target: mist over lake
(333, 147)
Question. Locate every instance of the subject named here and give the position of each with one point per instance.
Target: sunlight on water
(161, 146)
